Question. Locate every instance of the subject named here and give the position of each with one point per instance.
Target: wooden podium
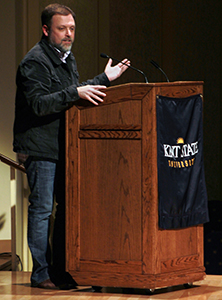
(112, 233)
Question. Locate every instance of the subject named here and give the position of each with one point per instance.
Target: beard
(63, 47)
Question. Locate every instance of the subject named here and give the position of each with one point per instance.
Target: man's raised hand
(113, 72)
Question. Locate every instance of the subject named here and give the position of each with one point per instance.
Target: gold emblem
(180, 140)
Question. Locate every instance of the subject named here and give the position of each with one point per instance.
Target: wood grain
(112, 233)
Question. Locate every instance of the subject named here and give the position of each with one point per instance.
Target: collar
(62, 55)
(52, 53)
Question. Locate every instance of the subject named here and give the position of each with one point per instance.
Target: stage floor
(15, 285)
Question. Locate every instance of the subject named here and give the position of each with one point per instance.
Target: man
(47, 85)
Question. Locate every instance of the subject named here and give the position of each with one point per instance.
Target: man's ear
(45, 30)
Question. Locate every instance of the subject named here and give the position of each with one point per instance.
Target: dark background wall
(183, 37)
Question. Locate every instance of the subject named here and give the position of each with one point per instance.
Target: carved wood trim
(180, 263)
(109, 134)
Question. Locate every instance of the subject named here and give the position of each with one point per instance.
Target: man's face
(62, 32)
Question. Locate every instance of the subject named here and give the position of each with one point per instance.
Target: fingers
(92, 93)
(124, 65)
(95, 94)
(113, 72)
(125, 62)
(110, 61)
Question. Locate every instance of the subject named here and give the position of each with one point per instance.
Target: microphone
(158, 67)
(103, 55)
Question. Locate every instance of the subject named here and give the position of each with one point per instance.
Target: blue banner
(181, 181)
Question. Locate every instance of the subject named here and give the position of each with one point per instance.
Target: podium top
(137, 91)
(157, 84)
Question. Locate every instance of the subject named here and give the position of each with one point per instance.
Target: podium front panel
(112, 233)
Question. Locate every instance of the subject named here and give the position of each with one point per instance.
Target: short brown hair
(53, 9)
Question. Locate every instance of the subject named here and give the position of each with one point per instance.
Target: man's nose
(68, 31)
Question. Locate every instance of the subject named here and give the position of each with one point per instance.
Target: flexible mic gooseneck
(158, 67)
(103, 55)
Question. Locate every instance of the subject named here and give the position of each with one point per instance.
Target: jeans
(41, 178)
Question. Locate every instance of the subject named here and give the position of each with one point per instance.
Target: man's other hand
(92, 93)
